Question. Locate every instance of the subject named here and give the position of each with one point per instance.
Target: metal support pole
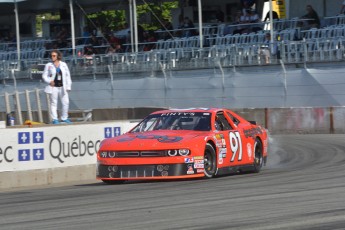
(72, 27)
(28, 104)
(18, 108)
(7, 103)
(17, 33)
(271, 29)
(39, 107)
(200, 24)
(131, 24)
(49, 107)
(135, 20)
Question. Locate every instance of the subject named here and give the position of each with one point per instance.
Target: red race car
(188, 143)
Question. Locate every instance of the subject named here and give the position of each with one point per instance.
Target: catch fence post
(18, 108)
(39, 106)
(28, 104)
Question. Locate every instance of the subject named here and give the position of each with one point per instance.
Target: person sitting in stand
(275, 16)
(89, 52)
(245, 19)
(342, 10)
(94, 41)
(267, 49)
(254, 18)
(113, 39)
(168, 27)
(151, 41)
(86, 35)
(111, 50)
(314, 20)
(188, 27)
(220, 16)
(61, 38)
(118, 48)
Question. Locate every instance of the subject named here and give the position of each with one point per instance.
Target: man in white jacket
(57, 75)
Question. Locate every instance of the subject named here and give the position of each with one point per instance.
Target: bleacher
(295, 45)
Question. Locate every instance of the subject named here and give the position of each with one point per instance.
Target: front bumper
(153, 171)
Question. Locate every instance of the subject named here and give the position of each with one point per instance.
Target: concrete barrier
(38, 177)
(48, 154)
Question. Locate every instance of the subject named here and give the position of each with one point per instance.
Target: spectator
(113, 39)
(94, 41)
(314, 20)
(61, 37)
(11, 38)
(118, 48)
(151, 41)
(254, 18)
(342, 10)
(89, 52)
(274, 16)
(246, 7)
(188, 27)
(111, 50)
(57, 75)
(219, 16)
(240, 18)
(168, 27)
(267, 50)
(246, 19)
(86, 35)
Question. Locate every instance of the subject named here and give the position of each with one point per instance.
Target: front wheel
(210, 161)
(258, 156)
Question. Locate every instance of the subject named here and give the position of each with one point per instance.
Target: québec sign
(55, 146)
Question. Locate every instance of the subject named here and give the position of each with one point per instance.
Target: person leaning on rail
(57, 75)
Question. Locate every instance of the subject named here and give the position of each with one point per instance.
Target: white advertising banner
(55, 146)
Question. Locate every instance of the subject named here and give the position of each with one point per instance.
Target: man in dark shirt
(314, 20)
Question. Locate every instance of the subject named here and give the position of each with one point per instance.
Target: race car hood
(158, 139)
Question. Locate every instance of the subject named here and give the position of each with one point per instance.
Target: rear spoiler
(252, 122)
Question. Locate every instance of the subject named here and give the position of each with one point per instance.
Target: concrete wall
(52, 176)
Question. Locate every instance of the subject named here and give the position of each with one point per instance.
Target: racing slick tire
(258, 156)
(114, 181)
(210, 161)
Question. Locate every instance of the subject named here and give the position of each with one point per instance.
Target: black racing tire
(258, 156)
(210, 161)
(114, 181)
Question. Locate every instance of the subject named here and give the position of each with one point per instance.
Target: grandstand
(325, 44)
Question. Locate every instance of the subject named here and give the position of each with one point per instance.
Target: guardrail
(13, 104)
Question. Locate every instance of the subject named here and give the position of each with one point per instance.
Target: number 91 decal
(235, 145)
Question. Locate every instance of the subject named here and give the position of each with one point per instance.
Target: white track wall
(48, 147)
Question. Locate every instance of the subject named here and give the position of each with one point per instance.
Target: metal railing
(222, 54)
(13, 104)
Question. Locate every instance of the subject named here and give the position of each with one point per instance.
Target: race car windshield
(197, 121)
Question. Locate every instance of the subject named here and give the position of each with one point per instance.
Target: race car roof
(172, 110)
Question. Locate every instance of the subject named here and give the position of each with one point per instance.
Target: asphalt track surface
(301, 187)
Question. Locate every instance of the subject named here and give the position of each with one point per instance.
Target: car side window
(234, 119)
(221, 122)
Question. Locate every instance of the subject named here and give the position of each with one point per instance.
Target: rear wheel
(210, 161)
(258, 156)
